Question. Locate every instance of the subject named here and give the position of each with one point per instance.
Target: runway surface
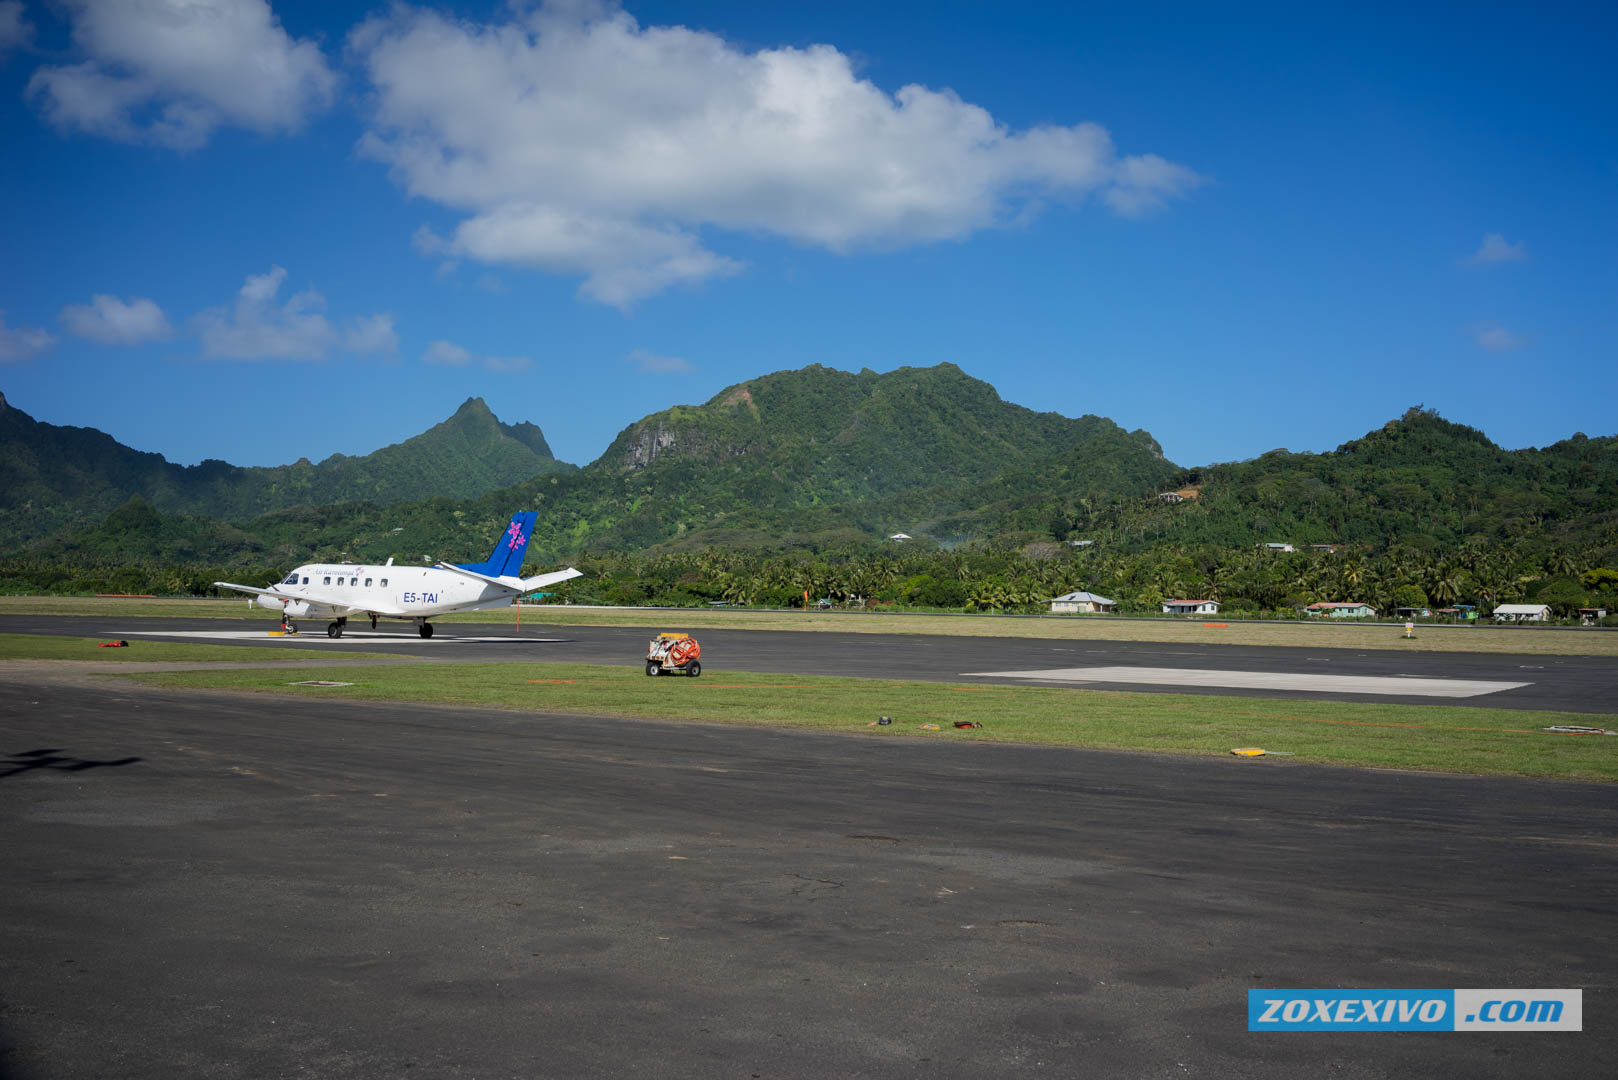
(229, 886)
(1568, 683)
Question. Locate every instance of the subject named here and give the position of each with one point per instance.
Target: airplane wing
(343, 606)
(278, 594)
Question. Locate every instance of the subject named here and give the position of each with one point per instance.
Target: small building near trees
(1348, 609)
(1522, 613)
(1190, 607)
(1081, 603)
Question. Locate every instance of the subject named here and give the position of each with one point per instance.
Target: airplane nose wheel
(426, 629)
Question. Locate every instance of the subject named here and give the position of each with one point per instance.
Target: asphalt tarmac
(1567, 683)
(215, 885)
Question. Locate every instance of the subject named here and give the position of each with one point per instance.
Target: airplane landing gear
(288, 626)
(335, 630)
(426, 629)
(373, 622)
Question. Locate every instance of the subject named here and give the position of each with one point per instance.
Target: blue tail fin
(506, 559)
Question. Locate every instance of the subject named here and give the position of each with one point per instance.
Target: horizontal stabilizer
(529, 584)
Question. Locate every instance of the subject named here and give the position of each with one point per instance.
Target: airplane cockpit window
(367, 583)
(292, 578)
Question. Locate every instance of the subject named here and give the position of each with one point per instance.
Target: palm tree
(1444, 585)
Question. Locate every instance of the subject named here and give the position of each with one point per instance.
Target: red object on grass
(113, 645)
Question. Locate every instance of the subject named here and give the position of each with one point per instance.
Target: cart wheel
(694, 668)
(653, 667)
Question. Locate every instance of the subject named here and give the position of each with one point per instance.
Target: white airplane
(332, 591)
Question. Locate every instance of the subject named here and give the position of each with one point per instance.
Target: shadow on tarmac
(29, 760)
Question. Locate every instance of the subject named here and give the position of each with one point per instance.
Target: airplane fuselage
(339, 591)
(389, 592)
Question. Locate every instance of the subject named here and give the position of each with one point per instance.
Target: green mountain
(812, 458)
(54, 477)
(814, 467)
(1419, 481)
(816, 455)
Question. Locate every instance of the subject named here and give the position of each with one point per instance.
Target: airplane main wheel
(426, 629)
(653, 667)
(290, 627)
(694, 668)
(334, 630)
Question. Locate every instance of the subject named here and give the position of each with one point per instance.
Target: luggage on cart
(674, 654)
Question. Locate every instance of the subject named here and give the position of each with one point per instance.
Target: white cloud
(256, 328)
(577, 142)
(1495, 250)
(654, 364)
(22, 342)
(447, 353)
(371, 335)
(450, 354)
(16, 32)
(172, 71)
(111, 321)
(1496, 338)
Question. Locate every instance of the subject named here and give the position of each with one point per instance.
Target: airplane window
(367, 583)
(326, 580)
(339, 581)
(306, 581)
(384, 583)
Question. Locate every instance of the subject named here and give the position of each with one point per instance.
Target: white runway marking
(312, 636)
(1399, 685)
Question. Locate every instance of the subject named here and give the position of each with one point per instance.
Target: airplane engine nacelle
(294, 609)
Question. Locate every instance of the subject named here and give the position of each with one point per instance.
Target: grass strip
(42, 647)
(1475, 638)
(1442, 738)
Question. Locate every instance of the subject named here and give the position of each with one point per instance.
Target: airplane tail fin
(506, 559)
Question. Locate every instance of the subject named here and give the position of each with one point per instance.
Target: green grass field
(40, 647)
(1427, 737)
(1529, 640)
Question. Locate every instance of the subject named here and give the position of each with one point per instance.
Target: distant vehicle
(338, 591)
(674, 654)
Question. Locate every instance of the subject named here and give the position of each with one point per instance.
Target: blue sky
(271, 231)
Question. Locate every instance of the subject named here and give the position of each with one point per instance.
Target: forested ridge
(54, 477)
(790, 483)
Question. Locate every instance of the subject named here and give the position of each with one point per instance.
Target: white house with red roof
(1350, 609)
